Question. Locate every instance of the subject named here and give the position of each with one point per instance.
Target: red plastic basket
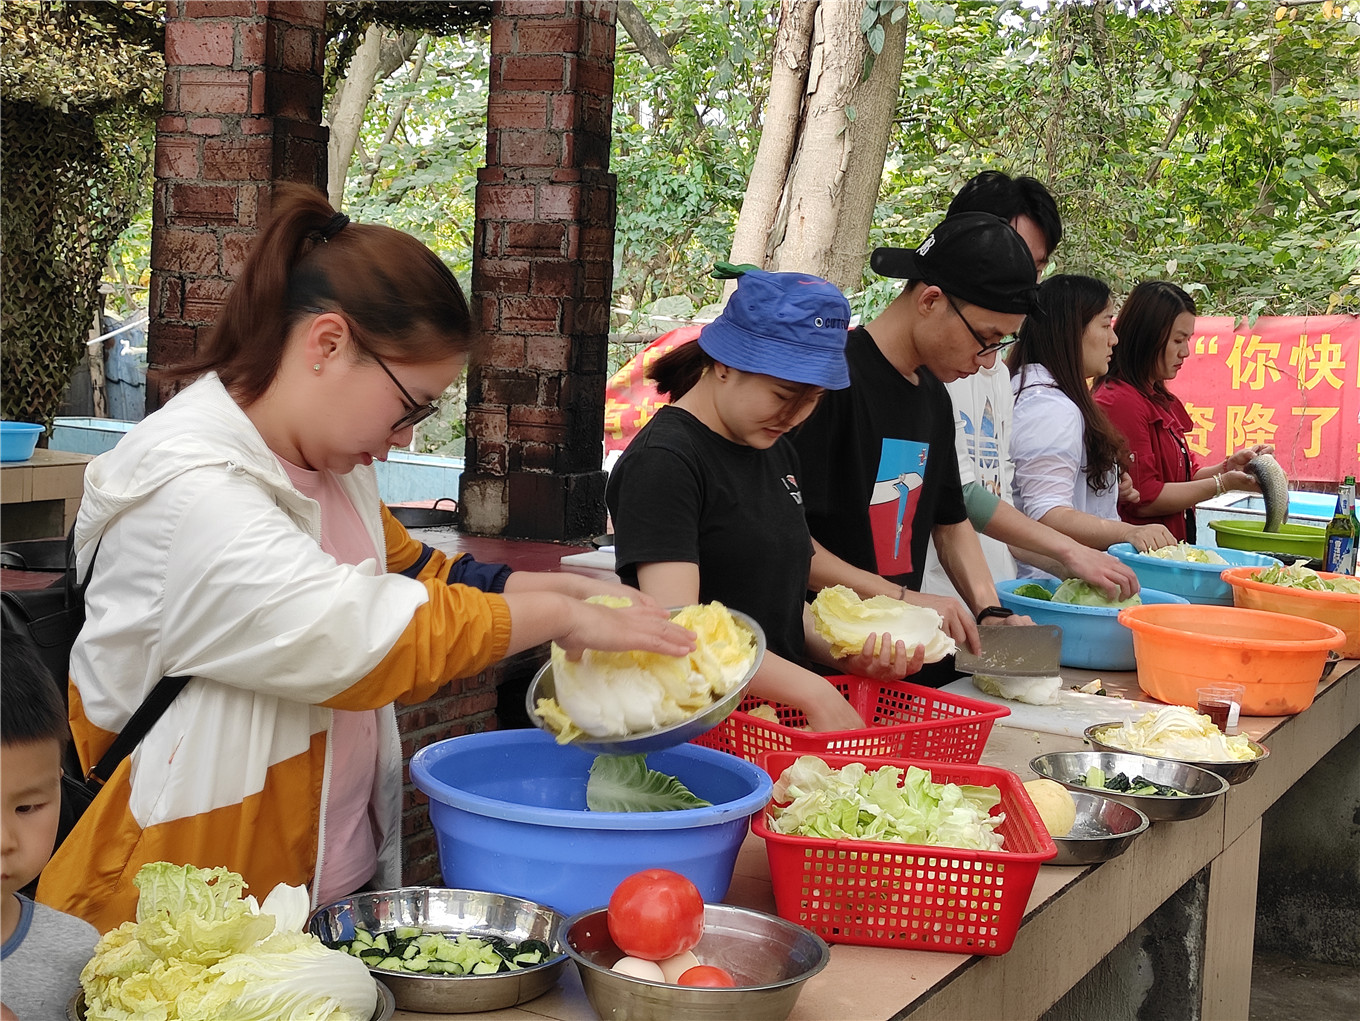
(905, 720)
(905, 895)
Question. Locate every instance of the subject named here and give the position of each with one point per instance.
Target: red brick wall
(542, 274)
(242, 109)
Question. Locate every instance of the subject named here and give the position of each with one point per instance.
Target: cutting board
(1070, 715)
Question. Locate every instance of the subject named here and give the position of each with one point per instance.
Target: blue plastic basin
(18, 440)
(1198, 583)
(509, 815)
(1093, 638)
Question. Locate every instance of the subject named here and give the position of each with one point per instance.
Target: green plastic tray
(1299, 540)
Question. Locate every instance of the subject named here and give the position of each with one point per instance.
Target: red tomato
(706, 975)
(655, 914)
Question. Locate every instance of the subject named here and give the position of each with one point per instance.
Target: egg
(674, 967)
(636, 967)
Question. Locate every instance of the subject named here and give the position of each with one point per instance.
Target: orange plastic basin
(1340, 609)
(1276, 657)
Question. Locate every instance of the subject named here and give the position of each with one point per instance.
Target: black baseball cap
(975, 257)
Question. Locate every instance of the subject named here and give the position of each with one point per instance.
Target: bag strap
(151, 709)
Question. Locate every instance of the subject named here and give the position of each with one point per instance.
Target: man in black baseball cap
(880, 475)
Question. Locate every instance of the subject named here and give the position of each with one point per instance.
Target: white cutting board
(1070, 715)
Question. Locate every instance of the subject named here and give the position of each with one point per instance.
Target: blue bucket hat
(791, 326)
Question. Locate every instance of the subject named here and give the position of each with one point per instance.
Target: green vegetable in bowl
(1120, 783)
(1298, 576)
(1185, 553)
(623, 783)
(1083, 593)
(409, 948)
(1032, 591)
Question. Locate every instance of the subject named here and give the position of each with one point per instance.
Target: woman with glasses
(241, 543)
(1154, 329)
(1068, 457)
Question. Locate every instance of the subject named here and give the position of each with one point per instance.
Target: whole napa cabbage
(846, 621)
(199, 951)
(1083, 593)
(613, 694)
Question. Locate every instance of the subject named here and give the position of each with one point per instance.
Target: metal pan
(428, 517)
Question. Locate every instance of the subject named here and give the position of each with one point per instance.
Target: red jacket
(1155, 429)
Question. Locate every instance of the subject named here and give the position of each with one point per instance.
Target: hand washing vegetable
(613, 694)
(1031, 690)
(1121, 784)
(1298, 576)
(812, 799)
(410, 948)
(1055, 805)
(1186, 553)
(655, 914)
(1176, 732)
(1033, 591)
(1083, 593)
(199, 949)
(846, 622)
(623, 783)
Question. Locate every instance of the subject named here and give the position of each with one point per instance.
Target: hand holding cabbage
(199, 951)
(847, 622)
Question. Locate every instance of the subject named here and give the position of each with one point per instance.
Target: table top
(1056, 944)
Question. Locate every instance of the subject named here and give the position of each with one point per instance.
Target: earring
(316, 367)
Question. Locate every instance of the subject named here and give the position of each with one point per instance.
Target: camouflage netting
(79, 91)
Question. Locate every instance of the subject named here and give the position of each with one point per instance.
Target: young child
(44, 949)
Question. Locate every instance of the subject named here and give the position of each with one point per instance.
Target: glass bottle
(1343, 532)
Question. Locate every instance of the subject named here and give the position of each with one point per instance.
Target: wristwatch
(993, 611)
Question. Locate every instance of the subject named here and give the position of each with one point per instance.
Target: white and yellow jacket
(209, 565)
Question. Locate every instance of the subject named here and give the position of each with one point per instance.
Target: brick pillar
(242, 109)
(542, 274)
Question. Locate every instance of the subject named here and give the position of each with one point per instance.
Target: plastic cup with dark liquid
(1222, 703)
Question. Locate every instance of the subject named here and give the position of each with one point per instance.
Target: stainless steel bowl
(664, 737)
(1202, 786)
(387, 1005)
(1103, 829)
(769, 958)
(1233, 772)
(435, 909)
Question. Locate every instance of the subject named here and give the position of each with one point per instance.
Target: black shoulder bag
(51, 618)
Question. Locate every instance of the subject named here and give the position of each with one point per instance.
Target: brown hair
(401, 302)
(677, 371)
(1143, 328)
(1052, 338)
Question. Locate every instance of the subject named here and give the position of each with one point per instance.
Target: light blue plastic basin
(18, 440)
(1093, 638)
(1198, 583)
(509, 815)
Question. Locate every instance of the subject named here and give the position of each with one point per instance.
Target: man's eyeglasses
(987, 348)
(415, 411)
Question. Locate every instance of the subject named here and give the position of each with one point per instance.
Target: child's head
(342, 334)
(32, 735)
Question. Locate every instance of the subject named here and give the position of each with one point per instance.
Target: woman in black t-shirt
(706, 502)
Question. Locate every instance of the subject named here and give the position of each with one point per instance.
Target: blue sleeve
(467, 570)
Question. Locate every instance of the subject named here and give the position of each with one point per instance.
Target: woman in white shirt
(1067, 455)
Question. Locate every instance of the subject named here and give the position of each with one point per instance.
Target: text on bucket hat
(975, 257)
(791, 326)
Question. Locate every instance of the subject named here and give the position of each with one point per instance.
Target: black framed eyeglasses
(416, 412)
(987, 348)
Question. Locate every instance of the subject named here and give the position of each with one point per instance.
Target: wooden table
(1075, 916)
(41, 495)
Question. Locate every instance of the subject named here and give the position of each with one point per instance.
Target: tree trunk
(826, 164)
(837, 168)
(376, 57)
(779, 136)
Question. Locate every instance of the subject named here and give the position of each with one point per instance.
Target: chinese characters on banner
(1293, 381)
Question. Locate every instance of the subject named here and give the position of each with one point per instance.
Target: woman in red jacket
(1154, 329)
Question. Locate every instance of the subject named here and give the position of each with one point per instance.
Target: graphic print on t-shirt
(979, 439)
(892, 505)
(791, 484)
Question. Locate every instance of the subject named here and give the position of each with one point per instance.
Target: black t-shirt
(879, 468)
(682, 493)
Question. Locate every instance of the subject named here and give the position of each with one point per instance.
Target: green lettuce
(1298, 576)
(1032, 591)
(200, 951)
(1083, 593)
(1186, 553)
(623, 783)
(852, 803)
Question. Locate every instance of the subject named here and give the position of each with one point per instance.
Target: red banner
(630, 399)
(1293, 381)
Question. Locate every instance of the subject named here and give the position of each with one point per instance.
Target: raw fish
(1274, 487)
